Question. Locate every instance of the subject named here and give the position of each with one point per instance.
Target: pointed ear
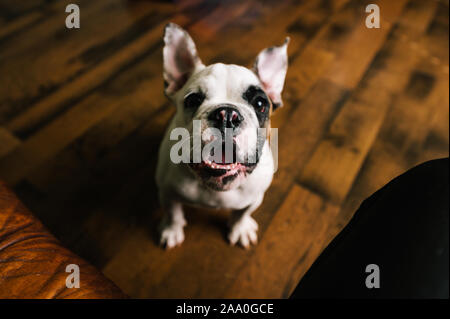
(180, 58)
(271, 67)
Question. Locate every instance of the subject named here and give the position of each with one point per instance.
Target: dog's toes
(244, 241)
(253, 237)
(244, 232)
(172, 236)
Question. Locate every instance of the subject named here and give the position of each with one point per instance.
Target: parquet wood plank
(362, 45)
(336, 163)
(417, 98)
(18, 24)
(11, 10)
(85, 114)
(81, 61)
(8, 142)
(295, 237)
(54, 62)
(405, 140)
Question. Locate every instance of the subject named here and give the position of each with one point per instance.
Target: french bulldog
(234, 101)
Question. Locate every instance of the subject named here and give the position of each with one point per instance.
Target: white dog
(221, 98)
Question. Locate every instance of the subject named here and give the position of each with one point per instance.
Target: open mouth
(212, 167)
(215, 165)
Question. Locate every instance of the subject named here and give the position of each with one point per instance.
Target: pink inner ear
(180, 66)
(184, 62)
(180, 58)
(271, 71)
(271, 67)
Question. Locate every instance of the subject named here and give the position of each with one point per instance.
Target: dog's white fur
(177, 183)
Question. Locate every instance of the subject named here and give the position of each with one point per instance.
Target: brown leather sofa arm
(33, 262)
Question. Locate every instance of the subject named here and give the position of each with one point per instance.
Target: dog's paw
(171, 236)
(244, 232)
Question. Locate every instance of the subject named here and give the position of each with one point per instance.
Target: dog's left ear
(180, 57)
(271, 67)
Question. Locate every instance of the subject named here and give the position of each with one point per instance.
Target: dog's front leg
(243, 228)
(172, 233)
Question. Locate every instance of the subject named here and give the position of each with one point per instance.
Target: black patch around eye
(256, 97)
(194, 100)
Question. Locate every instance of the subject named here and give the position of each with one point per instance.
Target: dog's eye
(260, 102)
(194, 100)
(256, 97)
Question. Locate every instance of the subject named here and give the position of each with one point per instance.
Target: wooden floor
(82, 113)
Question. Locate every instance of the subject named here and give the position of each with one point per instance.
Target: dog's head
(225, 103)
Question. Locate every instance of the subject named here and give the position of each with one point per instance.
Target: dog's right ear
(180, 58)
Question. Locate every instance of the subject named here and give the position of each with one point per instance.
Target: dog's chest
(196, 194)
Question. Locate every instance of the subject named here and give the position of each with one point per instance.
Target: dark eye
(194, 100)
(259, 102)
(256, 97)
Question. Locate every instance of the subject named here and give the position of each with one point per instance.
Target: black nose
(226, 117)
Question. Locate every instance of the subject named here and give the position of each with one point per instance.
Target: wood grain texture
(82, 113)
(294, 238)
(337, 160)
(8, 142)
